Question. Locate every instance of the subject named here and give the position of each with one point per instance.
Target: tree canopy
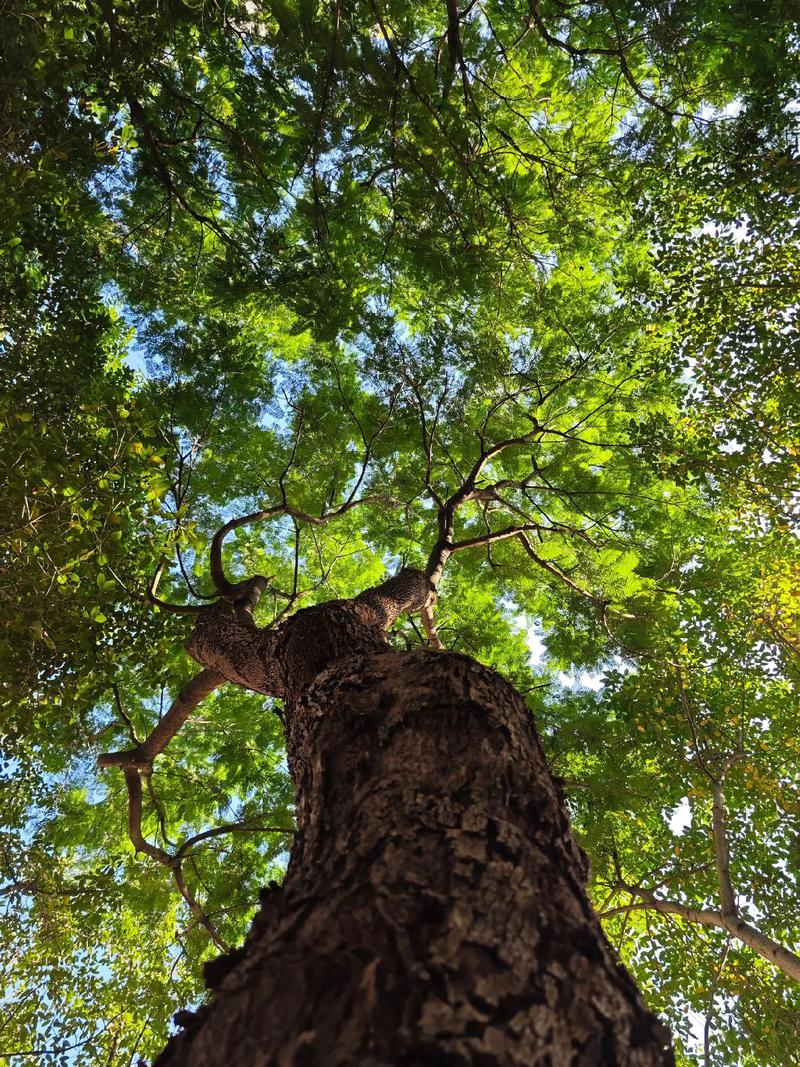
(327, 264)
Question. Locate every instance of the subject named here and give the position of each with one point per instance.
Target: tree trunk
(434, 909)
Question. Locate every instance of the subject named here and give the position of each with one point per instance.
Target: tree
(354, 246)
(422, 791)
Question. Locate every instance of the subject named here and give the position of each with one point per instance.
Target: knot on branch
(245, 595)
(131, 759)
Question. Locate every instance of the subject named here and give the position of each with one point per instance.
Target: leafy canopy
(327, 256)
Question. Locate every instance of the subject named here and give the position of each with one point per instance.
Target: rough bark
(434, 910)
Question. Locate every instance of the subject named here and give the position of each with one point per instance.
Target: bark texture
(434, 910)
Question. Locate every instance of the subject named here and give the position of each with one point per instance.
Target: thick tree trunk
(434, 910)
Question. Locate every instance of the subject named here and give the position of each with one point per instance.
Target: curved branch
(784, 959)
(218, 577)
(138, 762)
(557, 572)
(141, 757)
(175, 609)
(229, 828)
(227, 588)
(133, 782)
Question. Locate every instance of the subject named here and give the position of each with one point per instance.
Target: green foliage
(722, 684)
(329, 251)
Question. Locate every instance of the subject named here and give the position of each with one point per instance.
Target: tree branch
(618, 52)
(229, 590)
(175, 609)
(785, 960)
(141, 757)
(229, 828)
(511, 531)
(137, 763)
(221, 582)
(557, 572)
(196, 910)
(133, 783)
(429, 625)
(468, 490)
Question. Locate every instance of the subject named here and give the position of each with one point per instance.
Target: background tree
(376, 222)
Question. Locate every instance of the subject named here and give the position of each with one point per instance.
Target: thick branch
(247, 595)
(410, 591)
(429, 625)
(786, 961)
(141, 757)
(225, 643)
(134, 783)
(218, 577)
